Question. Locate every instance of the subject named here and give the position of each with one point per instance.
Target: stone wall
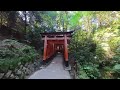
(22, 71)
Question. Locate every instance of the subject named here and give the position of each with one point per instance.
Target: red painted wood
(56, 41)
(65, 49)
(45, 48)
(53, 48)
(51, 44)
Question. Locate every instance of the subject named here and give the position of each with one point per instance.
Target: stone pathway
(53, 71)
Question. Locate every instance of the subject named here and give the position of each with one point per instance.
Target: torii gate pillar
(65, 50)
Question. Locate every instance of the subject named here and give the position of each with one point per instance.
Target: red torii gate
(56, 41)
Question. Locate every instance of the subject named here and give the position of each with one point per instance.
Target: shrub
(13, 52)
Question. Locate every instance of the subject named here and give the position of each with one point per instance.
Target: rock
(35, 63)
(32, 69)
(12, 76)
(22, 76)
(1, 75)
(29, 66)
(8, 74)
(26, 64)
(21, 66)
(16, 77)
(24, 69)
(18, 72)
(28, 72)
(15, 71)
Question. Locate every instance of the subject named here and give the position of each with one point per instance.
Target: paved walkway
(54, 71)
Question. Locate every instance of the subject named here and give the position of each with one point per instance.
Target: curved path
(53, 71)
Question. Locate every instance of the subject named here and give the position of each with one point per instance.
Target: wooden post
(45, 49)
(66, 48)
(56, 47)
(66, 51)
(50, 52)
(53, 48)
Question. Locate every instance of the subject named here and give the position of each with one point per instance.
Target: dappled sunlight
(94, 47)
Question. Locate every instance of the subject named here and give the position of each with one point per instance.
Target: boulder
(32, 69)
(1, 75)
(12, 76)
(21, 66)
(15, 71)
(26, 64)
(24, 69)
(17, 77)
(8, 74)
(29, 65)
(18, 72)
(28, 72)
(22, 76)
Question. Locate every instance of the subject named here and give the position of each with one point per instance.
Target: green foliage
(13, 52)
(75, 19)
(87, 54)
(104, 61)
(89, 71)
(95, 43)
(114, 43)
(92, 71)
(83, 47)
(82, 74)
(117, 68)
(100, 53)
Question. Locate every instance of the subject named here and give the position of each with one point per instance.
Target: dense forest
(95, 44)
